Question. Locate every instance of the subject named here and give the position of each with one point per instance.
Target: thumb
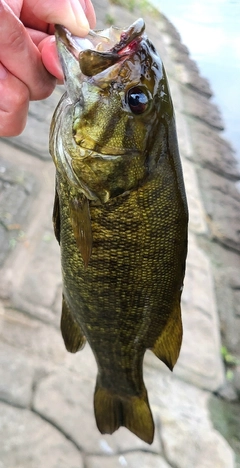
(50, 58)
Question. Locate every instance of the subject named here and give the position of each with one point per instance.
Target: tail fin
(133, 412)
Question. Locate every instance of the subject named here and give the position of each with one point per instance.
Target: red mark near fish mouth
(129, 48)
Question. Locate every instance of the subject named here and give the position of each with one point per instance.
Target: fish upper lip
(121, 43)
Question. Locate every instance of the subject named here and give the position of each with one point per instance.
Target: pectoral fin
(81, 224)
(168, 345)
(56, 217)
(72, 334)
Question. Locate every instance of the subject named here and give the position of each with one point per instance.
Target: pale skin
(29, 65)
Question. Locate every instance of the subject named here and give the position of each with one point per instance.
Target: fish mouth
(100, 49)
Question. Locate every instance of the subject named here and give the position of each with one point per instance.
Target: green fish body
(120, 216)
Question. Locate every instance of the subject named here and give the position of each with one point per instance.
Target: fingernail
(3, 72)
(80, 17)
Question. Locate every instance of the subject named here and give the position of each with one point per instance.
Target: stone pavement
(46, 394)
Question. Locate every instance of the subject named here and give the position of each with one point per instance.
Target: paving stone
(201, 108)
(32, 278)
(194, 446)
(222, 207)
(200, 359)
(236, 380)
(32, 337)
(130, 460)
(190, 77)
(236, 302)
(43, 278)
(186, 431)
(16, 377)
(29, 442)
(34, 139)
(197, 217)
(228, 392)
(16, 186)
(212, 151)
(184, 135)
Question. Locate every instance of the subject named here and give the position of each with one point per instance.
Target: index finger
(76, 15)
(21, 57)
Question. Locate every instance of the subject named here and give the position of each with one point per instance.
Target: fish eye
(138, 100)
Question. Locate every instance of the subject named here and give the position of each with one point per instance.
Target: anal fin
(133, 412)
(167, 346)
(71, 332)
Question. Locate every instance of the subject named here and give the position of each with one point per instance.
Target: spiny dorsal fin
(81, 224)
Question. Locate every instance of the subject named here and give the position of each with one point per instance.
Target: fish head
(117, 96)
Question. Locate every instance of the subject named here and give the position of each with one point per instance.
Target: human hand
(29, 64)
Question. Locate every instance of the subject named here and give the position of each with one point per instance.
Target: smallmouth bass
(120, 215)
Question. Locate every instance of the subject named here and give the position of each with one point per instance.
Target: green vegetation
(230, 362)
(109, 19)
(228, 358)
(143, 6)
(129, 4)
(225, 416)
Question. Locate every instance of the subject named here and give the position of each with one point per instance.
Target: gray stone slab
(41, 281)
(222, 202)
(129, 460)
(200, 359)
(36, 340)
(34, 139)
(228, 298)
(237, 379)
(197, 216)
(32, 278)
(200, 107)
(16, 376)
(212, 151)
(17, 187)
(187, 435)
(29, 442)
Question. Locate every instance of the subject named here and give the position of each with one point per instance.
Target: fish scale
(120, 219)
